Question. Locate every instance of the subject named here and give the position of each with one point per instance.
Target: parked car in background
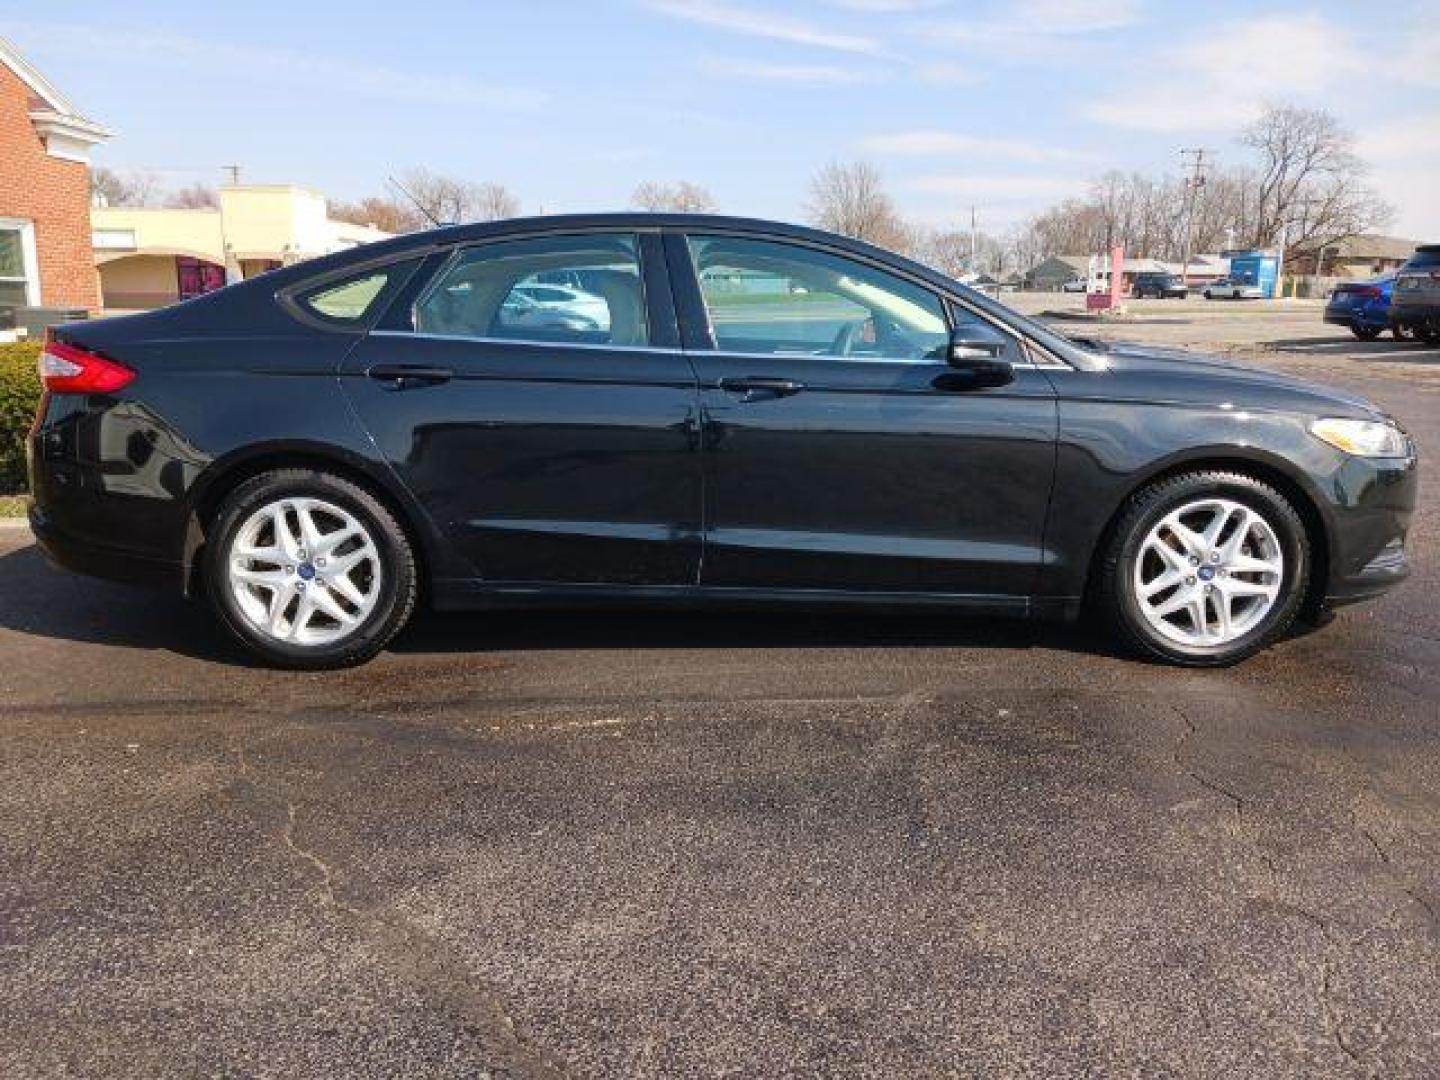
(563, 303)
(880, 436)
(1075, 284)
(1227, 288)
(1162, 286)
(519, 310)
(1415, 301)
(1364, 308)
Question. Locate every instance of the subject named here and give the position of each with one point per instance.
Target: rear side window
(497, 291)
(353, 301)
(1426, 259)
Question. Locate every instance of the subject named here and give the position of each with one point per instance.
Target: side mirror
(977, 361)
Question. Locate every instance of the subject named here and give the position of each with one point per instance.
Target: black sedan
(733, 412)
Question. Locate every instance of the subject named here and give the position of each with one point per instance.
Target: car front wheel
(309, 570)
(1365, 333)
(1205, 569)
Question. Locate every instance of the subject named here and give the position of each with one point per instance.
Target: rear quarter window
(356, 300)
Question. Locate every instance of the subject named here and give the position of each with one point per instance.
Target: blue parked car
(1364, 306)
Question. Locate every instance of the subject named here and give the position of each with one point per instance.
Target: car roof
(638, 220)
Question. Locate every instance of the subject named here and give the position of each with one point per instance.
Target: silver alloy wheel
(1208, 572)
(304, 571)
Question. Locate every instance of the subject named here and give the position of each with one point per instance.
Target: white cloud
(888, 7)
(1025, 25)
(937, 143)
(949, 74)
(1404, 155)
(342, 75)
(755, 23)
(794, 74)
(999, 187)
(1222, 80)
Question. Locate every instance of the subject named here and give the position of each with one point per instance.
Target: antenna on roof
(415, 202)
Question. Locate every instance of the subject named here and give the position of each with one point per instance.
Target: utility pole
(973, 246)
(1195, 162)
(234, 171)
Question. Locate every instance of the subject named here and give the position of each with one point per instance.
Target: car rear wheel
(1205, 569)
(1365, 333)
(309, 570)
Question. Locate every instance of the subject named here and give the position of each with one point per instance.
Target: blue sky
(1007, 105)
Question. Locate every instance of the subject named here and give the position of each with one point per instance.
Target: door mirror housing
(979, 360)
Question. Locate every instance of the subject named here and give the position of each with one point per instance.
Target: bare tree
(959, 253)
(450, 200)
(850, 199)
(1310, 189)
(195, 196)
(680, 197)
(134, 187)
(387, 215)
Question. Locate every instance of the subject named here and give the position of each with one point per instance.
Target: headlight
(1363, 438)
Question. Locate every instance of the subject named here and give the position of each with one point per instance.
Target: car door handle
(755, 387)
(406, 376)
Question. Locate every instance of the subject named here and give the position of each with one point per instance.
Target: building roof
(1368, 246)
(53, 114)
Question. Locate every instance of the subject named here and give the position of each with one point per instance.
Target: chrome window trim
(526, 341)
(678, 351)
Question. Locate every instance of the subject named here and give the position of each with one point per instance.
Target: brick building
(45, 245)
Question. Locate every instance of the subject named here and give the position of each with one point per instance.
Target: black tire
(1429, 333)
(1115, 590)
(1365, 333)
(397, 581)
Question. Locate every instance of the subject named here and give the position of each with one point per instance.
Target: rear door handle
(406, 376)
(755, 387)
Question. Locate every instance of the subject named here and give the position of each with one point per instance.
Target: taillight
(1369, 292)
(69, 369)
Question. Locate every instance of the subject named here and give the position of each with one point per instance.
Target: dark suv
(1161, 286)
(1415, 303)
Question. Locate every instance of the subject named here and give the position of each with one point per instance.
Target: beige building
(152, 257)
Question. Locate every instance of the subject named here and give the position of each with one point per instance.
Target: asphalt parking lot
(547, 844)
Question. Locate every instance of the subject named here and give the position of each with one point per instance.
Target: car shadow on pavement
(1384, 350)
(40, 601)
(671, 628)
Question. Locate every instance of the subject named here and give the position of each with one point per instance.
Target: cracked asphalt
(664, 844)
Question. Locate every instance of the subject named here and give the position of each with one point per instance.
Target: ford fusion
(695, 410)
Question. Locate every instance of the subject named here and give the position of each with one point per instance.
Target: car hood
(1200, 376)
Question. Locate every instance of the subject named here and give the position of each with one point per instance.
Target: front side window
(502, 291)
(775, 298)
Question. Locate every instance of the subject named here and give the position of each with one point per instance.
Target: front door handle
(407, 376)
(756, 387)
